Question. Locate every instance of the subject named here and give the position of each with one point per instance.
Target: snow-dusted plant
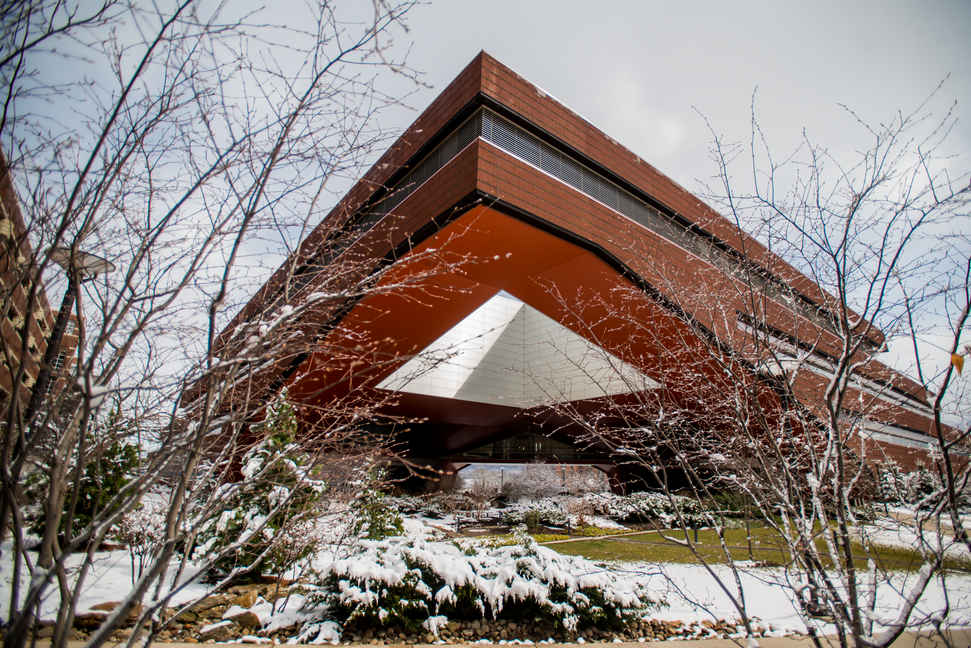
(408, 504)
(650, 507)
(434, 505)
(534, 517)
(898, 487)
(108, 467)
(375, 517)
(534, 481)
(920, 484)
(258, 513)
(142, 530)
(413, 584)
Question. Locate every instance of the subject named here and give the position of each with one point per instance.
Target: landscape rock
(247, 600)
(111, 605)
(246, 620)
(89, 620)
(221, 633)
(210, 602)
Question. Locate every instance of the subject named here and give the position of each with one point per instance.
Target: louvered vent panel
(533, 150)
(624, 203)
(450, 147)
(641, 214)
(571, 173)
(551, 163)
(503, 135)
(528, 148)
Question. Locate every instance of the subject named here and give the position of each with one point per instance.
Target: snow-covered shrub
(920, 483)
(104, 474)
(435, 505)
(142, 531)
(404, 583)
(533, 481)
(534, 517)
(891, 484)
(407, 504)
(895, 486)
(275, 496)
(375, 517)
(450, 503)
(650, 507)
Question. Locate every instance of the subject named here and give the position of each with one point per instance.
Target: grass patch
(767, 547)
(596, 532)
(582, 532)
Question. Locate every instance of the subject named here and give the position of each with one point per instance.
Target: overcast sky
(649, 73)
(645, 72)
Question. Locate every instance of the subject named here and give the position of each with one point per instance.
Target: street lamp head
(87, 265)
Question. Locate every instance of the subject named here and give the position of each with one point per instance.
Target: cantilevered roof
(508, 353)
(594, 242)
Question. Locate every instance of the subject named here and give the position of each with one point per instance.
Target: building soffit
(486, 98)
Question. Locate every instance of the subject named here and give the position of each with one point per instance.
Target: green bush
(415, 585)
(534, 518)
(105, 472)
(375, 516)
(275, 493)
(597, 532)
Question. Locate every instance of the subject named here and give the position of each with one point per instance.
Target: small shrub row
(534, 518)
(435, 506)
(650, 507)
(417, 585)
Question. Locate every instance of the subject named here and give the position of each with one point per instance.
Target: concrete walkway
(955, 639)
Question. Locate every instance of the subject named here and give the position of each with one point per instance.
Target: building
(25, 328)
(559, 268)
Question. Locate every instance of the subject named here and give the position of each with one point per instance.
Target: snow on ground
(109, 579)
(907, 513)
(692, 593)
(889, 532)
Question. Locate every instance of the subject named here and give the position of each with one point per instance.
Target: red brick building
(25, 329)
(557, 247)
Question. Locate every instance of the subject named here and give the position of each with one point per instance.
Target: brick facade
(485, 190)
(24, 334)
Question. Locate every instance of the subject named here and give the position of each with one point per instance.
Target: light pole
(80, 267)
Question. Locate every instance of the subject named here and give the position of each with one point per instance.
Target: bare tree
(534, 481)
(181, 139)
(758, 374)
(482, 485)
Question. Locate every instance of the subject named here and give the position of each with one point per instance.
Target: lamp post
(80, 267)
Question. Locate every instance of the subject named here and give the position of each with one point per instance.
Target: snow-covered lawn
(691, 593)
(694, 595)
(889, 532)
(109, 579)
